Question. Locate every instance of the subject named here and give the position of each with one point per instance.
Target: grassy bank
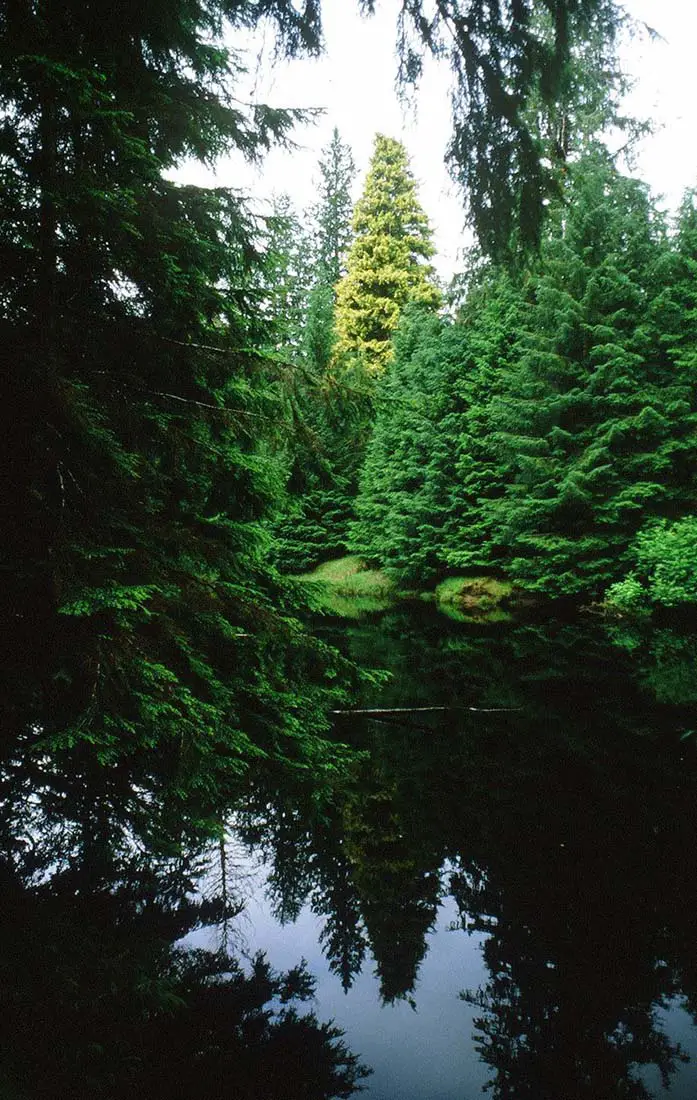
(469, 598)
(348, 587)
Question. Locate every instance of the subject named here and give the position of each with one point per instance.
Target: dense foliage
(326, 416)
(542, 429)
(142, 616)
(142, 448)
(664, 560)
(353, 308)
(399, 498)
(285, 282)
(187, 404)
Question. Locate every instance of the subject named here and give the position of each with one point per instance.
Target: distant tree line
(547, 429)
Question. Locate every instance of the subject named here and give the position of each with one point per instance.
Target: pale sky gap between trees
(354, 85)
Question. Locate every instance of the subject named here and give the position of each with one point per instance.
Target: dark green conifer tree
(399, 510)
(662, 557)
(519, 99)
(286, 280)
(333, 213)
(592, 417)
(489, 323)
(329, 417)
(431, 472)
(675, 310)
(142, 616)
(331, 232)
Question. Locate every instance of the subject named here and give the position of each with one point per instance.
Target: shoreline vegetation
(349, 587)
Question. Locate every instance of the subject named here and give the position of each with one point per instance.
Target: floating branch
(375, 713)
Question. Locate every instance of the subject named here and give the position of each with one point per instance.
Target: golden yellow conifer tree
(388, 261)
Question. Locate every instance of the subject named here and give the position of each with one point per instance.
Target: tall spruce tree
(399, 512)
(662, 557)
(592, 418)
(330, 228)
(676, 308)
(387, 266)
(330, 419)
(431, 472)
(333, 213)
(286, 279)
(489, 323)
(143, 620)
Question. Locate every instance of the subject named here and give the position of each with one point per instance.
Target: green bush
(665, 572)
(628, 595)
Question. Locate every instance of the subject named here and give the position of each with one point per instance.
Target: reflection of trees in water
(99, 996)
(569, 824)
(576, 976)
(310, 865)
(665, 659)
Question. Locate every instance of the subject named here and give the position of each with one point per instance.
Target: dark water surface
(501, 897)
(507, 897)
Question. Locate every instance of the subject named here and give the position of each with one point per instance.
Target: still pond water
(500, 897)
(511, 898)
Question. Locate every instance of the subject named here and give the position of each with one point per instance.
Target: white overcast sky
(354, 85)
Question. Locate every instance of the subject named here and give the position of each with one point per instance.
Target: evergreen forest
(229, 426)
(532, 422)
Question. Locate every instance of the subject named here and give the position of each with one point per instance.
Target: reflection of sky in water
(414, 1054)
(422, 1054)
(427, 1054)
(679, 1027)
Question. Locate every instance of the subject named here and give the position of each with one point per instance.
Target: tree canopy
(554, 420)
(516, 94)
(387, 264)
(144, 618)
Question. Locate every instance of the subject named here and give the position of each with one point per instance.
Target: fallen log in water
(383, 711)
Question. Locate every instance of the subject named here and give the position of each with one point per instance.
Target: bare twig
(214, 408)
(189, 401)
(200, 347)
(62, 485)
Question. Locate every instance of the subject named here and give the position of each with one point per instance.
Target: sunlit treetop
(387, 265)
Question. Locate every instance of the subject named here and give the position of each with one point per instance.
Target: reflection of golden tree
(398, 887)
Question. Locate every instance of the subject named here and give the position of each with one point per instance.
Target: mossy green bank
(349, 587)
